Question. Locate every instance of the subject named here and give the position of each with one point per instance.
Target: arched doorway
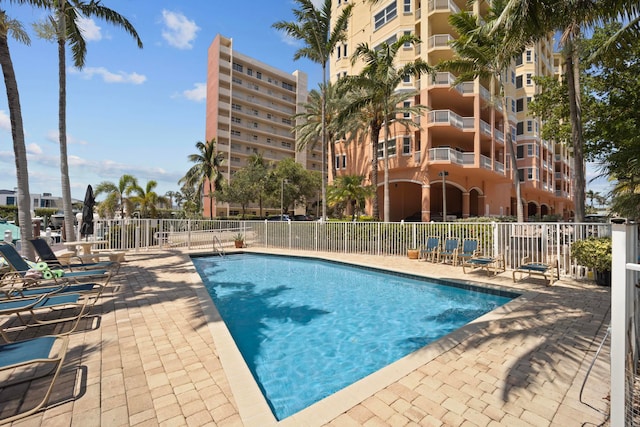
(454, 201)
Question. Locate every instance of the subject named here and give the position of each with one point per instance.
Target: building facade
(457, 164)
(250, 110)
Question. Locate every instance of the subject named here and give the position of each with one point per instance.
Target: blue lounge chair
(492, 265)
(449, 251)
(548, 271)
(430, 251)
(21, 267)
(469, 250)
(46, 254)
(21, 358)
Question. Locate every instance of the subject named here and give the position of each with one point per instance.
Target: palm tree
(258, 168)
(14, 28)
(147, 200)
(374, 91)
(205, 171)
(309, 127)
(349, 189)
(65, 28)
(117, 194)
(525, 21)
(480, 55)
(320, 35)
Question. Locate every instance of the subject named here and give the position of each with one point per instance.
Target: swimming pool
(307, 328)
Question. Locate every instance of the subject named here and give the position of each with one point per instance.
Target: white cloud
(179, 31)
(90, 31)
(108, 76)
(198, 93)
(5, 121)
(54, 136)
(34, 148)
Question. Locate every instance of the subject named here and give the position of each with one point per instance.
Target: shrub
(594, 252)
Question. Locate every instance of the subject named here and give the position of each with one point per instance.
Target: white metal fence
(625, 328)
(541, 242)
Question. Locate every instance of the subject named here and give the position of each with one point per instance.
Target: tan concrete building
(250, 109)
(459, 153)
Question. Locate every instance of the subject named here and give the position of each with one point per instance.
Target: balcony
(450, 118)
(447, 154)
(439, 41)
(443, 6)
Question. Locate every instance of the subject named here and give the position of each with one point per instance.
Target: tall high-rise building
(250, 109)
(457, 163)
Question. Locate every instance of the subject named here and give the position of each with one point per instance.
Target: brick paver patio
(151, 356)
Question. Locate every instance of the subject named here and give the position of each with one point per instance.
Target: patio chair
(21, 267)
(469, 250)
(46, 254)
(20, 359)
(29, 311)
(492, 265)
(430, 251)
(548, 271)
(449, 251)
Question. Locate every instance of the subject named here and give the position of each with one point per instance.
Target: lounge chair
(449, 251)
(20, 359)
(21, 267)
(469, 250)
(492, 265)
(46, 254)
(548, 271)
(430, 251)
(29, 311)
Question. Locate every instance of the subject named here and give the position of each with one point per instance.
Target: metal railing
(541, 242)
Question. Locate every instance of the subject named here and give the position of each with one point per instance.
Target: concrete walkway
(156, 353)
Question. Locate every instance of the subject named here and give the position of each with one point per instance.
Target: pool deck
(156, 353)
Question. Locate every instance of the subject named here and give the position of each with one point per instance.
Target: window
(235, 132)
(236, 80)
(521, 175)
(250, 71)
(513, 77)
(255, 125)
(385, 15)
(236, 119)
(529, 126)
(528, 54)
(287, 86)
(269, 116)
(513, 105)
(285, 144)
(519, 105)
(344, 50)
(391, 147)
(519, 61)
(259, 75)
(530, 174)
(407, 105)
(529, 79)
(406, 145)
(529, 150)
(338, 161)
(520, 128)
(407, 6)
(520, 152)
(237, 67)
(338, 52)
(254, 137)
(236, 107)
(255, 112)
(268, 140)
(286, 121)
(407, 45)
(518, 82)
(406, 79)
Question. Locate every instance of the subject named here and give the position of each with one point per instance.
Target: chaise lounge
(548, 271)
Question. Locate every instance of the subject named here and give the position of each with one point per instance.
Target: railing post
(619, 316)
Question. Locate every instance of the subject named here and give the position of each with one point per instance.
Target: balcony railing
(440, 5)
(440, 40)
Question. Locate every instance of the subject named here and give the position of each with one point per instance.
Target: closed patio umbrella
(87, 212)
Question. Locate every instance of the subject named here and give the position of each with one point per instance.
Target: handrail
(218, 251)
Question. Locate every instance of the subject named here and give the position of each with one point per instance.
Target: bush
(594, 252)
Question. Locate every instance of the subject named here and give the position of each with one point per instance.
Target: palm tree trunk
(375, 135)
(324, 140)
(17, 134)
(62, 129)
(385, 145)
(575, 113)
(514, 160)
(210, 200)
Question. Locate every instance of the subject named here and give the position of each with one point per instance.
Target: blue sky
(130, 110)
(136, 111)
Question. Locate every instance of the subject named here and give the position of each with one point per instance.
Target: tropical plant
(242, 190)
(594, 252)
(116, 196)
(349, 190)
(373, 99)
(320, 36)
(147, 200)
(290, 184)
(481, 55)
(308, 127)
(14, 28)
(63, 27)
(206, 171)
(259, 170)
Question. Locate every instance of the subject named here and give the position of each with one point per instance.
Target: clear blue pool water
(308, 328)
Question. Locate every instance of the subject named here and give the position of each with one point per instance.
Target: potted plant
(413, 253)
(594, 253)
(239, 240)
